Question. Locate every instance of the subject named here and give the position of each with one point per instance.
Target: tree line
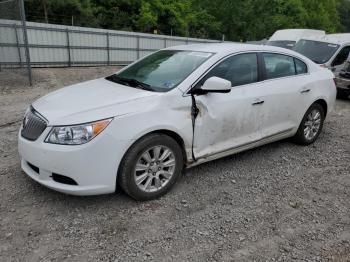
(237, 20)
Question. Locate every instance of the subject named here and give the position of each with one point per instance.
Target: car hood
(89, 101)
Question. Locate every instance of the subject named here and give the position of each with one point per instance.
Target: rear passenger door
(285, 94)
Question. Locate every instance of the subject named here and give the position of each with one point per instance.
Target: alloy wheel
(154, 168)
(312, 124)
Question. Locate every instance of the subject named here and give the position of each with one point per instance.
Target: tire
(153, 171)
(301, 136)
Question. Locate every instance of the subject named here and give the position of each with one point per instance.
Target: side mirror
(216, 85)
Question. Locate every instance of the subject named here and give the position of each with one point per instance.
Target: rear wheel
(151, 167)
(311, 125)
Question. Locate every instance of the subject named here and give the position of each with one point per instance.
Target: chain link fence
(14, 52)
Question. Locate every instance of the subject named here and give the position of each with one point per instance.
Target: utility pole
(25, 40)
(45, 11)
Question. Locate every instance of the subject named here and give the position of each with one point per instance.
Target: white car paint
(227, 123)
(294, 35)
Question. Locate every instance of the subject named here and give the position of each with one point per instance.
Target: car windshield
(284, 44)
(161, 71)
(319, 52)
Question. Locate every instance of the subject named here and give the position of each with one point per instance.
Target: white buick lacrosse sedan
(176, 108)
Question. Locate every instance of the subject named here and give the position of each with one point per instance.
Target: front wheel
(151, 167)
(311, 125)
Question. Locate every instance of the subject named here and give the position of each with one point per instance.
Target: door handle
(304, 91)
(258, 102)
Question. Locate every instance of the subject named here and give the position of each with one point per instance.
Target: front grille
(33, 125)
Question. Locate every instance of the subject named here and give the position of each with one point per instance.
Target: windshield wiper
(137, 83)
(130, 82)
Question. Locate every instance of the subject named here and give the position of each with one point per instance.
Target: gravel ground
(279, 202)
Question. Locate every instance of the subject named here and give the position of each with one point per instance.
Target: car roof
(338, 39)
(295, 34)
(224, 48)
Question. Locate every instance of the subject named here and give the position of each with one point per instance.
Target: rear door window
(278, 65)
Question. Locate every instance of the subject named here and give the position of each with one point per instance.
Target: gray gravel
(279, 202)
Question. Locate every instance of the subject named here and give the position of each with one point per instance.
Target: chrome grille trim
(33, 125)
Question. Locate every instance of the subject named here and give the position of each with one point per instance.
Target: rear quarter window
(300, 66)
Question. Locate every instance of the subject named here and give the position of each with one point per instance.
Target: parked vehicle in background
(261, 42)
(178, 107)
(343, 80)
(287, 38)
(330, 51)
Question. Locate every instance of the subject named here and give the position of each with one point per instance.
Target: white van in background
(343, 80)
(330, 51)
(287, 38)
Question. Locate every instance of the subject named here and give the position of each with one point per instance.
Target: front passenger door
(230, 120)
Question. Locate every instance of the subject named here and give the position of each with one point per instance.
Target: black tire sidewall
(300, 136)
(126, 174)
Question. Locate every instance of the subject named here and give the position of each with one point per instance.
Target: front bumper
(93, 166)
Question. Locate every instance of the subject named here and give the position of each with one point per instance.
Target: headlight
(77, 134)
